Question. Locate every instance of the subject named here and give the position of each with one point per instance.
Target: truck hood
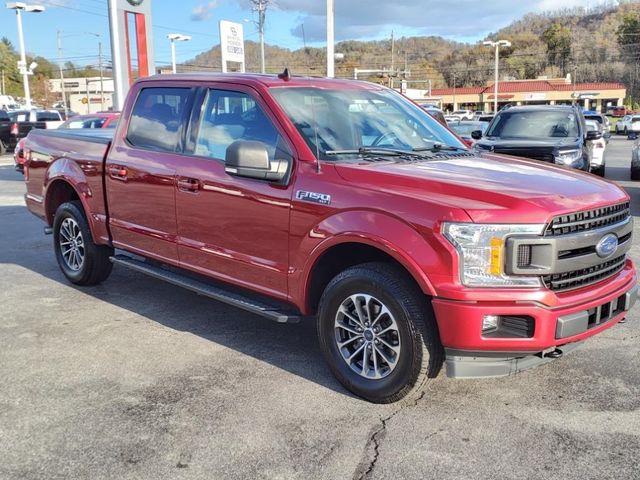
(490, 188)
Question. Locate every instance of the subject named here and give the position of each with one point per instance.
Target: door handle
(118, 172)
(186, 184)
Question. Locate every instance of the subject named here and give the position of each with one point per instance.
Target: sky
(80, 20)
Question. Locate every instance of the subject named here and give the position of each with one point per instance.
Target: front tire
(635, 174)
(81, 261)
(378, 333)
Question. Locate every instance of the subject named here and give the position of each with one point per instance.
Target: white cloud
(367, 18)
(203, 11)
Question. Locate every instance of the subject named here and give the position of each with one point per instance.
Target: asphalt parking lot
(137, 379)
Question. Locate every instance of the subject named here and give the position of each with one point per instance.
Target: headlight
(568, 157)
(482, 253)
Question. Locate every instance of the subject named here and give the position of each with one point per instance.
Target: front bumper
(460, 325)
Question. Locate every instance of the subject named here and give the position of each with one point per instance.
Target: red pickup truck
(344, 202)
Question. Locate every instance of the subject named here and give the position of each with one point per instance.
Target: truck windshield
(534, 124)
(344, 121)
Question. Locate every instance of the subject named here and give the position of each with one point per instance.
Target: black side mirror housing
(248, 158)
(476, 134)
(594, 135)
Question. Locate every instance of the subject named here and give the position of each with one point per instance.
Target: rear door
(140, 171)
(233, 228)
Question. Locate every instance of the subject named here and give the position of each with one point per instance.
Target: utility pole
(393, 44)
(496, 45)
(62, 89)
(260, 6)
(4, 89)
(101, 75)
(330, 40)
(454, 92)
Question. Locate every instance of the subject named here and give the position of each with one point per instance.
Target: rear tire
(599, 171)
(81, 261)
(635, 174)
(378, 333)
(3, 148)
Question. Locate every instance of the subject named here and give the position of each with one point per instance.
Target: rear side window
(84, 123)
(157, 117)
(47, 117)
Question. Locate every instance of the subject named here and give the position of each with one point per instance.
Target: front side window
(338, 120)
(157, 117)
(47, 117)
(230, 116)
(534, 124)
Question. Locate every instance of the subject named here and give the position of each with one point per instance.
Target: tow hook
(48, 230)
(555, 353)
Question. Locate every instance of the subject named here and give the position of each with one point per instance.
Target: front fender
(421, 254)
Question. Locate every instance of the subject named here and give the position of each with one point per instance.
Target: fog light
(490, 323)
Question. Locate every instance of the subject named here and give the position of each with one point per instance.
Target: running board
(227, 296)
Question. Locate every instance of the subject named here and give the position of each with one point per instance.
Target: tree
(558, 41)
(628, 36)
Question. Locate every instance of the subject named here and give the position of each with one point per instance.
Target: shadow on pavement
(293, 348)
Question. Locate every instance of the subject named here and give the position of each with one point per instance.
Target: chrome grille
(585, 276)
(588, 220)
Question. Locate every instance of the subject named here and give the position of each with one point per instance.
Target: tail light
(14, 129)
(26, 154)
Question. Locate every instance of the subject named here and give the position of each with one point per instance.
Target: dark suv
(554, 134)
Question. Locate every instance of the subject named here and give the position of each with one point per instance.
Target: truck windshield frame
(348, 120)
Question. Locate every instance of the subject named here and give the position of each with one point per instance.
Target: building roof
(520, 86)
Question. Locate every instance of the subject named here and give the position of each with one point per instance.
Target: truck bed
(76, 155)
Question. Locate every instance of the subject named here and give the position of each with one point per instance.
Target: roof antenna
(285, 75)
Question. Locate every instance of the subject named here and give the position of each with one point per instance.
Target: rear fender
(69, 172)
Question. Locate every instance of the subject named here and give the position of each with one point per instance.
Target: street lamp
(176, 37)
(22, 64)
(496, 45)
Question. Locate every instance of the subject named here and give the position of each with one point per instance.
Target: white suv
(628, 123)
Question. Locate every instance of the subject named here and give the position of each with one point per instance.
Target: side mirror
(248, 158)
(476, 134)
(594, 135)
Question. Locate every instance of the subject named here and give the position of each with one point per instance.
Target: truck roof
(267, 80)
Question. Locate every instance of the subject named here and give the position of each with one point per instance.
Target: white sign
(231, 43)
(536, 96)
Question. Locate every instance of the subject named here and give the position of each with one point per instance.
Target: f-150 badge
(314, 197)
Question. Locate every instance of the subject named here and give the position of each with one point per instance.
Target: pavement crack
(368, 463)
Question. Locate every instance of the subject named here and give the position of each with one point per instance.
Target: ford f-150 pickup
(343, 202)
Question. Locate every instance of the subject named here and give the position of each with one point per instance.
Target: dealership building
(85, 94)
(559, 91)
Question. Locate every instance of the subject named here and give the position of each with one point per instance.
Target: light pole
(22, 65)
(496, 45)
(176, 37)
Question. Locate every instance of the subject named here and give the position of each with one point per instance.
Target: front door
(235, 229)
(140, 173)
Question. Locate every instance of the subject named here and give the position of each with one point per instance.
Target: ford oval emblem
(607, 245)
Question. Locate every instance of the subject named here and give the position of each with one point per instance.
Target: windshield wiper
(369, 151)
(438, 147)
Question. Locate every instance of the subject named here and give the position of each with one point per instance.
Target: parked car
(18, 155)
(23, 121)
(635, 161)
(487, 117)
(375, 222)
(464, 128)
(7, 140)
(618, 111)
(598, 147)
(604, 124)
(452, 118)
(463, 114)
(96, 120)
(628, 124)
(551, 133)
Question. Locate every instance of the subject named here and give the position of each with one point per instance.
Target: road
(138, 379)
